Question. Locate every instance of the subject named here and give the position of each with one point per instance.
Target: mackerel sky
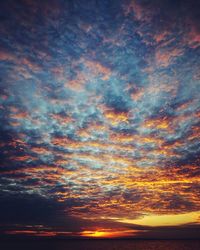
(100, 117)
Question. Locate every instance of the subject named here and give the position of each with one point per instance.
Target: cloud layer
(99, 111)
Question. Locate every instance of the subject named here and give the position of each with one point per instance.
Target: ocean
(100, 245)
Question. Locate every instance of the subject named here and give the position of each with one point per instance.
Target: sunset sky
(100, 118)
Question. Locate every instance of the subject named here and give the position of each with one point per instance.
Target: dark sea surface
(100, 245)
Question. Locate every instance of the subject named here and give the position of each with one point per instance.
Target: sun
(108, 233)
(96, 234)
(99, 234)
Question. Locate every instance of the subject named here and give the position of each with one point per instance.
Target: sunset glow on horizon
(105, 233)
(165, 220)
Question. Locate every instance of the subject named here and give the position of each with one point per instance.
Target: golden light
(95, 234)
(108, 233)
(165, 220)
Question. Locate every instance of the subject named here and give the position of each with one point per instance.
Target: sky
(100, 118)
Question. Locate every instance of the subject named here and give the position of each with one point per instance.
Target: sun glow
(108, 233)
(95, 234)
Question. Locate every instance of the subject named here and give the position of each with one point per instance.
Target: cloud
(99, 113)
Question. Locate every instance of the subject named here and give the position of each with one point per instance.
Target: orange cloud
(193, 37)
(31, 65)
(161, 36)
(98, 69)
(19, 115)
(78, 83)
(116, 118)
(138, 94)
(62, 120)
(165, 58)
(23, 158)
(40, 150)
(4, 56)
(163, 123)
(32, 232)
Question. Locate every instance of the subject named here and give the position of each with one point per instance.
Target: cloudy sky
(99, 118)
